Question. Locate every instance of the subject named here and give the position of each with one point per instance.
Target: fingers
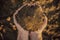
(14, 18)
(43, 25)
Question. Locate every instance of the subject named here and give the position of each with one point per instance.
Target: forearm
(22, 36)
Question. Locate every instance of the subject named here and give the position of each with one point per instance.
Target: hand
(37, 35)
(22, 34)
